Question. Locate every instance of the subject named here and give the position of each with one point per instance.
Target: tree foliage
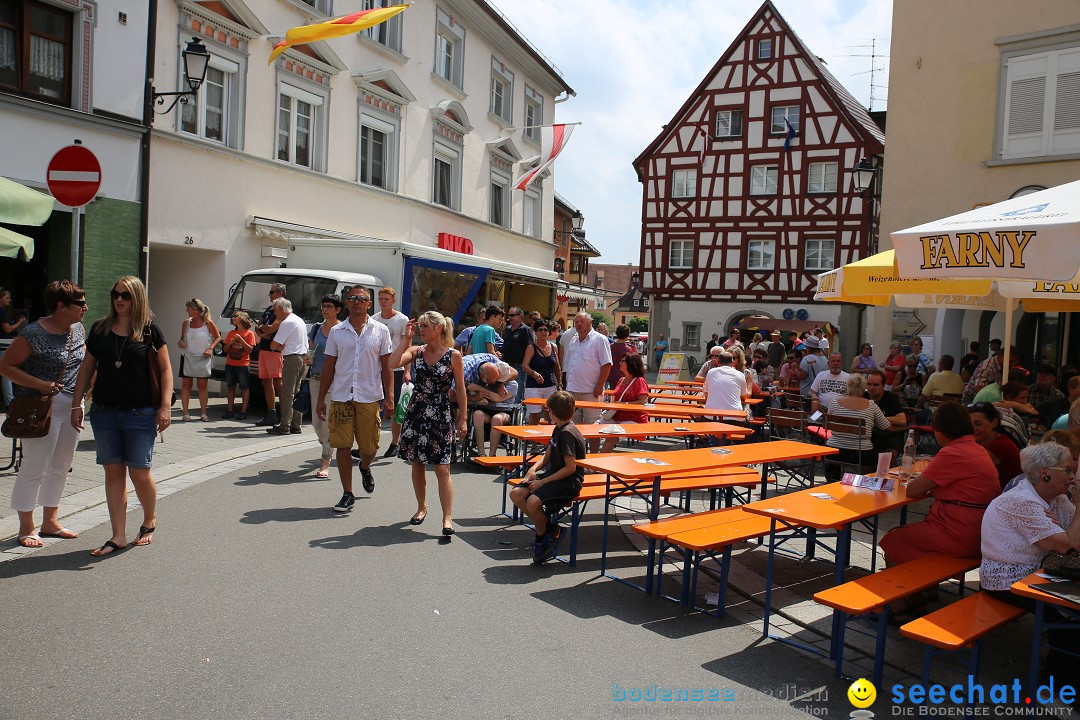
(638, 324)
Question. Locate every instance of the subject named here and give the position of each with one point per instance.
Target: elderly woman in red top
(632, 388)
(962, 480)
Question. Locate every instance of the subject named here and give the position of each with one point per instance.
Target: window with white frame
(683, 183)
(502, 92)
(645, 302)
(681, 254)
(386, 33)
(729, 123)
(326, 7)
(378, 151)
(821, 177)
(763, 180)
(446, 178)
(499, 213)
(530, 224)
(300, 127)
(764, 49)
(782, 113)
(819, 254)
(449, 49)
(691, 335)
(1041, 114)
(534, 114)
(210, 114)
(759, 254)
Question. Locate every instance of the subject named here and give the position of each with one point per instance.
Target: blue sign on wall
(788, 313)
(802, 315)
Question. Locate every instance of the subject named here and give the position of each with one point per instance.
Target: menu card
(869, 482)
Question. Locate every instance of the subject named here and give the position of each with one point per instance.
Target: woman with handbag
(43, 361)
(132, 396)
(198, 336)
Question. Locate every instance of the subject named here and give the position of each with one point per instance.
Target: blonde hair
(199, 305)
(243, 317)
(141, 316)
(436, 319)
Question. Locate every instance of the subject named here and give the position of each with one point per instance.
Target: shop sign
(455, 243)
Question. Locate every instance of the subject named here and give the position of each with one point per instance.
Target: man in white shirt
(292, 342)
(358, 377)
(588, 362)
(725, 387)
(823, 341)
(829, 384)
(395, 322)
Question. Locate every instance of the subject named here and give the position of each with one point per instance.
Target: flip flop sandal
(143, 532)
(186, 418)
(108, 544)
(31, 536)
(322, 473)
(205, 418)
(63, 533)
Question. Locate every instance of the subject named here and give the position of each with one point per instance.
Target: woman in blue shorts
(125, 416)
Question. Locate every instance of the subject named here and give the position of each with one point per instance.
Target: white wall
(119, 58)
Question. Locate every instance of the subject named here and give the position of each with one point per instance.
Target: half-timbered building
(746, 195)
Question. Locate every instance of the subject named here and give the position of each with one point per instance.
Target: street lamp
(862, 175)
(196, 59)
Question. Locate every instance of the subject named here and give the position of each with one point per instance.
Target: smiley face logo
(862, 693)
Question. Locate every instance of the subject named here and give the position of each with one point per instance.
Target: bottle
(908, 461)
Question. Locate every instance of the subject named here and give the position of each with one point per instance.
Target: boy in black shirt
(540, 495)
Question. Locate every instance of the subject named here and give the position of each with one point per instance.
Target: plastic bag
(403, 402)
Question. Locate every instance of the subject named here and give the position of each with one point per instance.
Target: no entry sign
(74, 176)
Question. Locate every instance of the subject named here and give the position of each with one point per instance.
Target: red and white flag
(553, 139)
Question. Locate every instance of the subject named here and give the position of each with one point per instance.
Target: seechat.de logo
(1026, 211)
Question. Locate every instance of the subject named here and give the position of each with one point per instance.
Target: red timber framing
(720, 192)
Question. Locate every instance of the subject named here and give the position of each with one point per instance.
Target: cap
(504, 371)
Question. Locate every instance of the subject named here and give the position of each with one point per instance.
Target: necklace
(119, 352)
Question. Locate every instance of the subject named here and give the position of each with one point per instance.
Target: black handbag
(302, 401)
(1066, 565)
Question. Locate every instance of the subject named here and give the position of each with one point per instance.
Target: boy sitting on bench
(559, 481)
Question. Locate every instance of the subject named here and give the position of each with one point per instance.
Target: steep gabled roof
(857, 116)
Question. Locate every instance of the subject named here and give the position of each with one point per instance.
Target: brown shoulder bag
(30, 416)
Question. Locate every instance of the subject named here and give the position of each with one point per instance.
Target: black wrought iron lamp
(196, 60)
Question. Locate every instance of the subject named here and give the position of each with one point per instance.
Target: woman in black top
(126, 417)
(541, 369)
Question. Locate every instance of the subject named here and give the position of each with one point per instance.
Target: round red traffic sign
(74, 176)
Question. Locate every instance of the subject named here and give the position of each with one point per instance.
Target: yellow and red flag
(337, 27)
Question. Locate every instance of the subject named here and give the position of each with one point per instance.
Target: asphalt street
(256, 601)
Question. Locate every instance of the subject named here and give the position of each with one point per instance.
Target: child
(539, 495)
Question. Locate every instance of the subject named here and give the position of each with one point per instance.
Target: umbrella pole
(1008, 339)
(1065, 340)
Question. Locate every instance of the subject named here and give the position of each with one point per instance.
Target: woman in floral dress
(427, 432)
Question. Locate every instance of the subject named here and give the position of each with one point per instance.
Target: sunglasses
(80, 303)
(358, 298)
(124, 295)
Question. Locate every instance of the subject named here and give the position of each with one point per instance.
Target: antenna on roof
(874, 68)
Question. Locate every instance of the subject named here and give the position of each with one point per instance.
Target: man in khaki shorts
(358, 377)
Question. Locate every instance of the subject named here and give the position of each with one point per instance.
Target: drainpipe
(144, 154)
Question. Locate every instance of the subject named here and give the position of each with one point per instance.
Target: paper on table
(612, 430)
(884, 460)
(534, 432)
(650, 461)
(822, 496)
(720, 451)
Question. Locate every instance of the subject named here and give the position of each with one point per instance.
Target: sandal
(144, 532)
(205, 418)
(63, 533)
(322, 473)
(113, 548)
(186, 418)
(31, 537)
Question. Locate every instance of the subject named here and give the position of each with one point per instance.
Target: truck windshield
(252, 295)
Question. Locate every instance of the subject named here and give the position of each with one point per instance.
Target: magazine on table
(868, 482)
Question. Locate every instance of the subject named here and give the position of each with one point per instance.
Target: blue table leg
(769, 576)
(607, 509)
(654, 513)
(1036, 645)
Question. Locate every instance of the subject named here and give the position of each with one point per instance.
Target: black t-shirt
(126, 385)
(890, 405)
(776, 353)
(567, 440)
(268, 318)
(515, 342)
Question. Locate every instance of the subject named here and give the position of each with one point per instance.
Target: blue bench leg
(721, 593)
(927, 660)
(879, 650)
(650, 563)
(836, 647)
(575, 522)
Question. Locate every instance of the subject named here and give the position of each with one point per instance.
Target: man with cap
(1044, 390)
(775, 352)
(811, 365)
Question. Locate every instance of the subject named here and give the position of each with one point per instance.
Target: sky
(633, 63)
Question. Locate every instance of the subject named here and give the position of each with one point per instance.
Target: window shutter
(1027, 100)
(1067, 105)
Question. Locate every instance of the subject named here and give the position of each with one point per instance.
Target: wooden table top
(1024, 588)
(668, 409)
(849, 504)
(652, 464)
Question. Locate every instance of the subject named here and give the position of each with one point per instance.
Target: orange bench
(879, 592)
(960, 627)
(595, 488)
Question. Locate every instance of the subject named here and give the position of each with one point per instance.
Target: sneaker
(369, 480)
(295, 431)
(228, 415)
(241, 416)
(345, 503)
(550, 544)
(355, 453)
(391, 451)
(271, 419)
(538, 551)
(276, 431)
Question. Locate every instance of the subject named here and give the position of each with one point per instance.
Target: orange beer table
(672, 410)
(634, 471)
(833, 506)
(1026, 588)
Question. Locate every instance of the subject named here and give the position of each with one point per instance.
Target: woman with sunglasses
(1003, 452)
(864, 362)
(198, 337)
(44, 360)
(125, 415)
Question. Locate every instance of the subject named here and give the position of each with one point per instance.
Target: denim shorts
(237, 375)
(124, 435)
